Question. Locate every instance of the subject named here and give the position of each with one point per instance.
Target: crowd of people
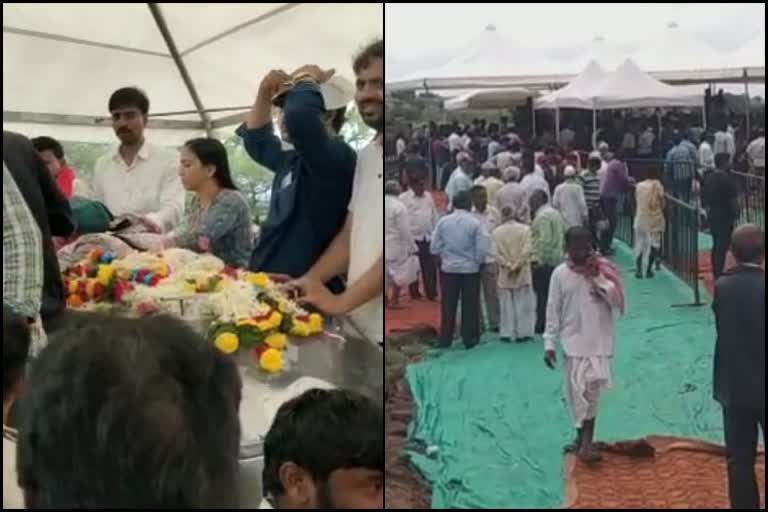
(144, 413)
(523, 245)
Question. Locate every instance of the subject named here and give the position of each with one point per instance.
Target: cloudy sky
(423, 34)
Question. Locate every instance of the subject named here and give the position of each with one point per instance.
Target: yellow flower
(105, 274)
(282, 305)
(315, 322)
(300, 328)
(162, 269)
(271, 360)
(190, 288)
(259, 279)
(227, 342)
(74, 286)
(277, 340)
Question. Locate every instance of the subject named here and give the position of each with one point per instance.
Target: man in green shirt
(547, 237)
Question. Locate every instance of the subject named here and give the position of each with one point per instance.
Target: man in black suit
(739, 307)
(51, 211)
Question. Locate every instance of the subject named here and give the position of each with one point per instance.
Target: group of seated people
(124, 413)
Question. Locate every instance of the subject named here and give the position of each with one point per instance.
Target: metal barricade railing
(751, 198)
(680, 244)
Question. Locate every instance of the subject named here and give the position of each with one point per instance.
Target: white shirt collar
(143, 154)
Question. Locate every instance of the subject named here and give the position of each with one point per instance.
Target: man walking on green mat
(583, 295)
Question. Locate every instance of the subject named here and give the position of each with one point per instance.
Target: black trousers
(467, 288)
(428, 272)
(681, 189)
(741, 439)
(542, 275)
(721, 241)
(610, 209)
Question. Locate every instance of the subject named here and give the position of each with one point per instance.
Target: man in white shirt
(358, 249)
(706, 154)
(400, 262)
(756, 153)
(645, 142)
(490, 219)
(569, 200)
(138, 178)
(534, 181)
(724, 143)
(584, 287)
(455, 142)
(423, 217)
(459, 180)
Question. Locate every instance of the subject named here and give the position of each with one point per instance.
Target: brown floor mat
(403, 488)
(683, 474)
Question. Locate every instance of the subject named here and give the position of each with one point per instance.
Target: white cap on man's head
(569, 171)
(337, 92)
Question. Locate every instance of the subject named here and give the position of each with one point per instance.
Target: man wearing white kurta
(512, 251)
(358, 249)
(580, 314)
(137, 177)
(400, 263)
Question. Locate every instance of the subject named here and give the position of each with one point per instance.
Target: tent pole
(594, 127)
(748, 105)
(557, 125)
(533, 121)
(177, 58)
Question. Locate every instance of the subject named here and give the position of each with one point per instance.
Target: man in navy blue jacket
(313, 179)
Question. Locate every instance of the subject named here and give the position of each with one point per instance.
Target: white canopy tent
(490, 99)
(630, 87)
(200, 64)
(752, 52)
(674, 49)
(578, 93)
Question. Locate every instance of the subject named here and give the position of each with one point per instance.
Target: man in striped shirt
(590, 182)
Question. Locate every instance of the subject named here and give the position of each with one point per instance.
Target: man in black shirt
(51, 211)
(739, 376)
(720, 197)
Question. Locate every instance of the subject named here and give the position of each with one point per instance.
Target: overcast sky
(423, 31)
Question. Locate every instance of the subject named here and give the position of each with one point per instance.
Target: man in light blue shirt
(679, 168)
(462, 244)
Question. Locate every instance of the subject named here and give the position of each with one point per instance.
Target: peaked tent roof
(200, 64)
(485, 99)
(577, 94)
(631, 87)
(674, 49)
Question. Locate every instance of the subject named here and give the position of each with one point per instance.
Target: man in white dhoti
(584, 294)
(512, 249)
(401, 267)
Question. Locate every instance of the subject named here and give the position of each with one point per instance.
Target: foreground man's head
(369, 72)
(325, 450)
(130, 413)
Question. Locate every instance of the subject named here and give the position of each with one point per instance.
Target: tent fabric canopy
(627, 87)
(487, 99)
(577, 93)
(198, 63)
(491, 60)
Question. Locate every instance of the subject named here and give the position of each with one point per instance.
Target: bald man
(739, 377)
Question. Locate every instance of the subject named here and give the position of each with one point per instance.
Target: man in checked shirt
(22, 260)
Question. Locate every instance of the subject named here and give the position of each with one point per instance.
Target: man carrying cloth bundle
(583, 295)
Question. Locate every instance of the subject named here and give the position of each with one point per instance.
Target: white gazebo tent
(490, 99)
(577, 94)
(675, 49)
(200, 64)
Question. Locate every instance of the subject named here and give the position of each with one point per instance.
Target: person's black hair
(339, 118)
(212, 152)
(749, 249)
(370, 53)
(577, 234)
(463, 200)
(323, 431)
(677, 137)
(130, 413)
(45, 143)
(129, 97)
(16, 342)
(514, 147)
(538, 199)
(478, 188)
(722, 160)
(416, 167)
